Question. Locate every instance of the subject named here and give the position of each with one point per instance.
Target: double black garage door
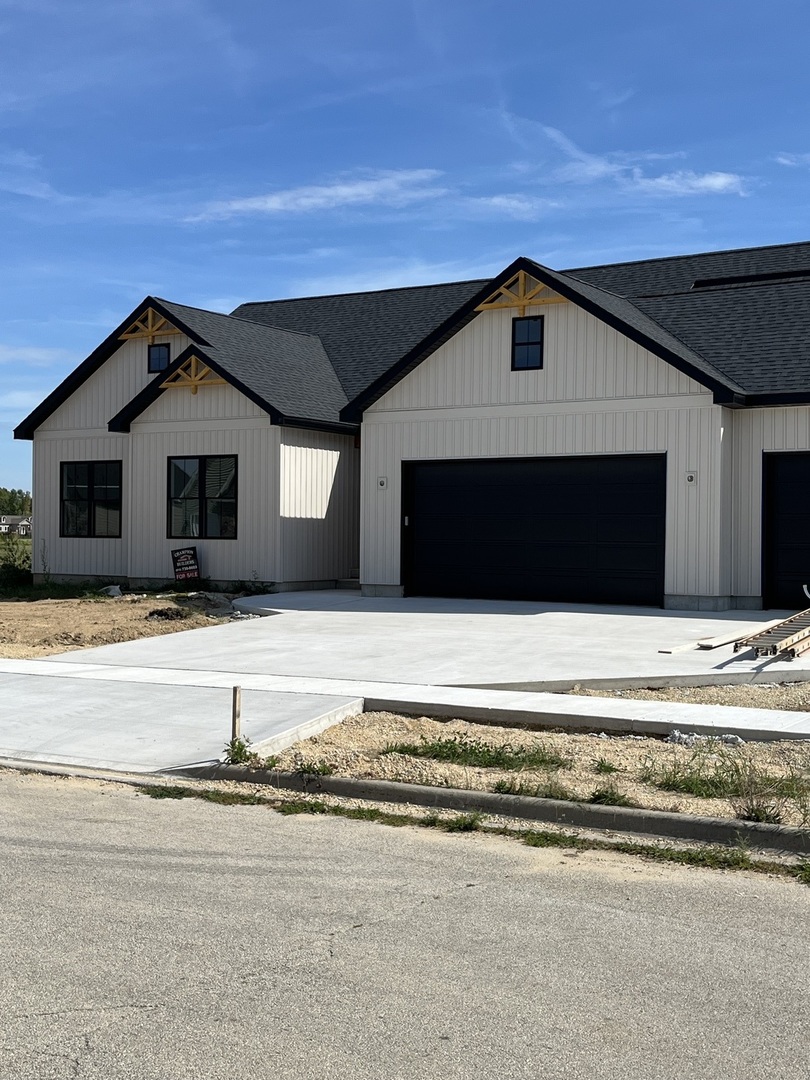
(582, 529)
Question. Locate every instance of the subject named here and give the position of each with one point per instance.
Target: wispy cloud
(519, 207)
(559, 160)
(395, 188)
(686, 182)
(21, 174)
(30, 356)
(583, 167)
(792, 159)
(20, 401)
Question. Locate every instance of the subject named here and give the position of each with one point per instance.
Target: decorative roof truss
(149, 324)
(520, 291)
(193, 373)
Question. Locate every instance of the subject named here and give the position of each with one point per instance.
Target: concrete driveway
(345, 637)
(163, 702)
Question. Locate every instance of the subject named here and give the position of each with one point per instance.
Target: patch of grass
(709, 857)
(545, 838)
(230, 798)
(461, 823)
(313, 768)
(302, 806)
(550, 789)
(464, 750)
(713, 857)
(609, 795)
(168, 791)
(604, 767)
(717, 772)
(710, 772)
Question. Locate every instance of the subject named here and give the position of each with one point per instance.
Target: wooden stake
(236, 713)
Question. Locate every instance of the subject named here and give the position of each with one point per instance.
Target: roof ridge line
(690, 255)
(361, 292)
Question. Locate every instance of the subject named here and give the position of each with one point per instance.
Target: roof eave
(353, 411)
(336, 427)
(777, 397)
(110, 345)
(122, 421)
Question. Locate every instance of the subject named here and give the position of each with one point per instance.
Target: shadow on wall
(320, 513)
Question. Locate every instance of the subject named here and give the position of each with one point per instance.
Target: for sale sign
(186, 566)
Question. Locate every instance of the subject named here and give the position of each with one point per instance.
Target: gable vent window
(527, 343)
(158, 357)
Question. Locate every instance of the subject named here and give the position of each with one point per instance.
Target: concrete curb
(544, 718)
(776, 676)
(580, 815)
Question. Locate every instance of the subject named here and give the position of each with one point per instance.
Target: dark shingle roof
(364, 334)
(676, 273)
(746, 313)
(737, 321)
(288, 370)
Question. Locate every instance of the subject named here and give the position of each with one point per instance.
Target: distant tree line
(15, 501)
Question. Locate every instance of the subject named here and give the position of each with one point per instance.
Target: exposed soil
(44, 627)
(354, 748)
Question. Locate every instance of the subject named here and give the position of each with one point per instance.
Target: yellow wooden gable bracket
(149, 324)
(520, 291)
(193, 373)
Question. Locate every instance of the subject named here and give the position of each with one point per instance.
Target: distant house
(631, 433)
(14, 525)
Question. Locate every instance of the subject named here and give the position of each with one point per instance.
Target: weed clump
(551, 789)
(464, 750)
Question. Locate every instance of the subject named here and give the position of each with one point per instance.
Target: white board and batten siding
(77, 431)
(82, 557)
(319, 510)
(297, 491)
(598, 393)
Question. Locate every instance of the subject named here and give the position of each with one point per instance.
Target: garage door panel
(627, 528)
(785, 529)
(581, 529)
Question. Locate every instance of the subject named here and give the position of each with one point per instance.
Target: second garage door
(582, 529)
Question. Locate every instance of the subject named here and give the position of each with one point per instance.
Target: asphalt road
(143, 939)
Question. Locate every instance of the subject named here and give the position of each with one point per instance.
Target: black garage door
(785, 530)
(584, 529)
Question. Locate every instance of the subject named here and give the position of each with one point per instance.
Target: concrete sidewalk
(159, 703)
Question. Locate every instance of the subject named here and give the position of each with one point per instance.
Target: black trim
(91, 465)
(565, 287)
(777, 397)
(88, 367)
(334, 428)
(353, 411)
(536, 341)
(122, 420)
(151, 369)
(202, 499)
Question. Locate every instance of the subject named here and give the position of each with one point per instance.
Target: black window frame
(202, 460)
(534, 341)
(151, 368)
(91, 500)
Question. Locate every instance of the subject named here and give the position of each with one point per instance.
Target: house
(631, 433)
(15, 525)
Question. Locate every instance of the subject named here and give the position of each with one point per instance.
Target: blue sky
(212, 153)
